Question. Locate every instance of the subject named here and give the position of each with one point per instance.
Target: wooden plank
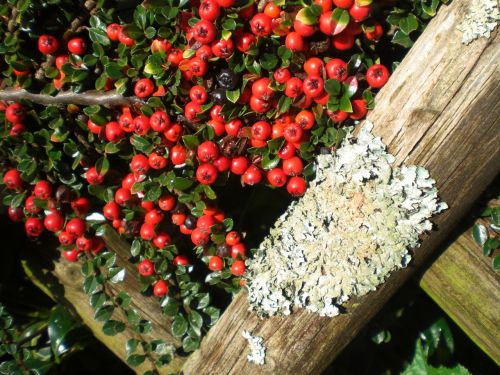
(463, 283)
(440, 110)
(64, 283)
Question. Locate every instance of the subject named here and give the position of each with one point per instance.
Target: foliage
(487, 235)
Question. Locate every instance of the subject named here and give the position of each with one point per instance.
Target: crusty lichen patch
(352, 228)
(480, 21)
(257, 349)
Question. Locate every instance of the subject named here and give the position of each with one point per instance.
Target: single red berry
(261, 130)
(141, 125)
(42, 190)
(122, 196)
(166, 202)
(303, 29)
(222, 163)
(215, 263)
(377, 75)
(124, 38)
(252, 175)
(31, 206)
(296, 186)
(339, 116)
(218, 127)
(232, 238)
(314, 66)
(359, 13)
(359, 109)
(15, 113)
(305, 119)
(198, 67)
(147, 232)
(244, 41)
(198, 94)
(54, 221)
(326, 5)
(160, 44)
(336, 69)
(153, 217)
(128, 181)
(326, 23)
(12, 179)
(233, 127)
(374, 31)
(126, 122)
(313, 86)
(276, 177)
(208, 151)
(178, 154)
(114, 132)
(215, 113)
(113, 31)
(272, 10)
(84, 243)
(238, 251)
(17, 129)
(94, 178)
(160, 288)
(343, 41)
(293, 87)
(259, 105)
(111, 211)
(209, 10)
(293, 166)
(76, 227)
(148, 205)
(33, 226)
(200, 237)
(238, 268)
(159, 121)
(294, 41)
(174, 133)
(178, 218)
(139, 164)
(162, 240)
(71, 255)
(239, 165)
(181, 260)
(261, 24)
(261, 89)
(191, 111)
(293, 133)
(281, 75)
(145, 268)
(223, 48)
(204, 32)
(287, 151)
(144, 88)
(205, 222)
(66, 238)
(206, 174)
(225, 3)
(15, 214)
(77, 46)
(47, 44)
(157, 161)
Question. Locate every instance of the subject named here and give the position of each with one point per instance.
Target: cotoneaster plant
(209, 92)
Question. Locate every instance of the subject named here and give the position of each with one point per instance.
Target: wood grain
(440, 109)
(463, 283)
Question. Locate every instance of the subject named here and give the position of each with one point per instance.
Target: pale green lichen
(352, 228)
(257, 349)
(482, 18)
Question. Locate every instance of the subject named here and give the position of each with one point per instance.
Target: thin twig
(110, 98)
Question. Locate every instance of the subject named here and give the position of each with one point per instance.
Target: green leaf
(179, 326)
(402, 39)
(496, 263)
(195, 321)
(345, 104)
(99, 36)
(190, 344)
(135, 249)
(309, 15)
(153, 192)
(97, 300)
(116, 274)
(182, 183)
(131, 346)
(408, 24)
(103, 314)
(90, 284)
(229, 24)
(431, 8)
(102, 165)
(135, 359)
(113, 70)
(170, 306)
(123, 299)
(190, 141)
(479, 234)
(113, 327)
(341, 19)
(60, 324)
(333, 87)
(268, 61)
(154, 64)
(233, 95)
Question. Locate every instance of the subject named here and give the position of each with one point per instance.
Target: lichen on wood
(353, 227)
(480, 21)
(257, 349)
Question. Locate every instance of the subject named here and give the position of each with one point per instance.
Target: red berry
(114, 132)
(145, 268)
(336, 69)
(181, 260)
(343, 41)
(294, 42)
(198, 94)
(326, 23)
(198, 67)
(293, 87)
(239, 165)
(296, 186)
(111, 211)
(15, 214)
(305, 119)
(174, 57)
(84, 243)
(261, 130)
(153, 217)
(144, 88)
(113, 31)
(222, 163)
(166, 202)
(200, 237)
(178, 155)
(252, 175)
(244, 41)
(139, 164)
(215, 263)
(217, 126)
(238, 268)
(261, 24)
(287, 151)
(12, 179)
(76, 227)
(124, 38)
(160, 288)
(191, 111)
(147, 232)
(339, 116)
(178, 218)
(47, 44)
(77, 46)
(208, 151)
(160, 44)
(225, 3)
(15, 113)
(66, 238)
(313, 86)
(204, 32)
(31, 206)
(303, 29)
(376, 32)
(205, 222)
(314, 66)
(159, 121)
(157, 161)
(148, 205)
(359, 109)
(33, 226)
(54, 221)
(344, 4)
(261, 89)
(326, 5)
(223, 48)
(162, 239)
(42, 190)
(71, 255)
(233, 127)
(293, 166)
(377, 75)
(281, 75)
(94, 178)
(359, 13)
(259, 105)
(122, 196)
(272, 10)
(293, 133)
(209, 10)
(238, 251)
(276, 177)
(174, 133)
(206, 174)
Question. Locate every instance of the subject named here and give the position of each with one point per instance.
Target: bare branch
(110, 98)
